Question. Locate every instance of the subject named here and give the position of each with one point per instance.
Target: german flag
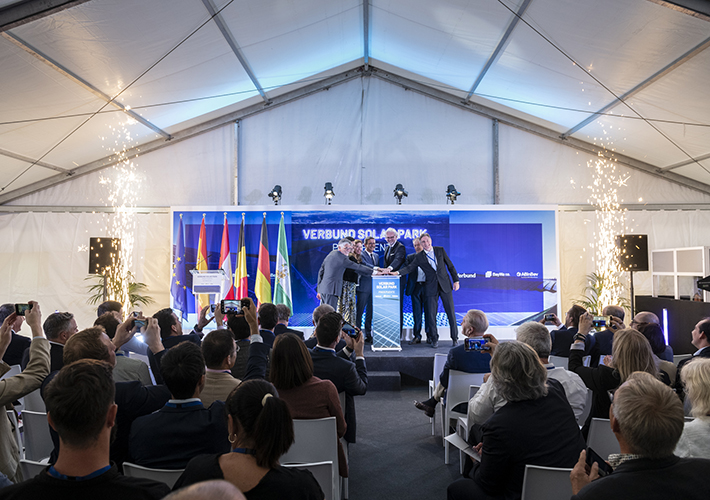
(240, 274)
(263, 269)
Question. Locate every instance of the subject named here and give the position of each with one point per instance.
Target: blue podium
(385, 313)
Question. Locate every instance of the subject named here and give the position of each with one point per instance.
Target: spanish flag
(263, 270)
(225, 258)
(201, 264)
(240, 275)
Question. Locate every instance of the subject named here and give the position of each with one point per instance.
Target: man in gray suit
(364, 289)
(330, 276)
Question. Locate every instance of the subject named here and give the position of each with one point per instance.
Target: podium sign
(385, 313)
(209, 281)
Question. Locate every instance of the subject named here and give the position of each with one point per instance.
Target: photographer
(605, 338)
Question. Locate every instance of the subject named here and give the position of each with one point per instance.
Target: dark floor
(395, 456)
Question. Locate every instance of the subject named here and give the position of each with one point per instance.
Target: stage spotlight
(275, 194)
(399, 193)
(451, 194)
(329, 193)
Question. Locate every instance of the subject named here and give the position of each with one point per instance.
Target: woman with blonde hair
(631, 352)
(695, 440)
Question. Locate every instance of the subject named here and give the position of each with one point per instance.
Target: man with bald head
(648, 318)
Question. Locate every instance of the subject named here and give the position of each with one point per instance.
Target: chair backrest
(439, 362)
(460, 386)
(601, 438)
(323, 472)
(38, 442)
(34, 402)
(587, 408)
(546, 483)
(16, 431)
(167, 476)
(677, 358)
(31, 468)
(14, 370)
(559, 361)
(472, 390)
(316, 440)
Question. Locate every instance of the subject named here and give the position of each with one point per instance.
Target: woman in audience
(631, 352)
(260, 430)
(306, 396)
(695, 440)
(536, 426)
(654, 335)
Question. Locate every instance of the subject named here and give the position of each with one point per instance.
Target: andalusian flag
(282, 283)
(240, 275)
(225, 259)
(178, 286)
(201, 264)
(263, 268)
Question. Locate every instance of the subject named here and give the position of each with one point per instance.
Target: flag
(240, 275)
(178, 285)
(201, 264)
(262, 288)
(225, 259)
(282, 283)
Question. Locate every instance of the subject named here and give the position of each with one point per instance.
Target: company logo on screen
(526, 274)
(492, 274)
(361, 234)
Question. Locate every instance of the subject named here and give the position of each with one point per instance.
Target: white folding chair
(34, 402)
(316, 440)
(677, 358)
(16, 432)
(462, 431)
(587, 408)
(14, 370)
(167, 476)
(546, 483)
(38, 442)
(601, 438)
(323, 472)
(439, 362)
(456, 393)
(30, 468)
(559, 361)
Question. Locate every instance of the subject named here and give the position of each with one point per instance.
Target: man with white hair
(647, 420)
(487, 401)
(330, 276)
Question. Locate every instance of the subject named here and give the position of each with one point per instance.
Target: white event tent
(216, 101)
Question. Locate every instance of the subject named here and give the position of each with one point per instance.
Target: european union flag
(178, 283)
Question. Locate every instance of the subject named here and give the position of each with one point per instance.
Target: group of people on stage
(345, 282)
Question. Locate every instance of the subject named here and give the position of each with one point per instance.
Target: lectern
(385, 313)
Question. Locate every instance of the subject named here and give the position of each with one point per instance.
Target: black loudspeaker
(633, 252)
(103, 253)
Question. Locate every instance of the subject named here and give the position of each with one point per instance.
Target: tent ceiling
(69, 77)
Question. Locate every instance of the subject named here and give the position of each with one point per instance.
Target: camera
(349, 329)
(601, 321)
(21, 309)
(233, 306)
(474, 344)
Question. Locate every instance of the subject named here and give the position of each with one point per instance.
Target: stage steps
(383, 381)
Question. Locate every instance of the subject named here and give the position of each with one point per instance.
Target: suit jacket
(465, 361)
(11, 389)
(602, 345)
(14, 352)
(281, 328)
(218, 385)
(434, 278)
(411, 277)
(514, 436)
(330, 276)
(670, 477)
(128, 369)
(56, 360)
(562, 339)
(365, 285)
(173, 435)
(395, 256)
(347, 377)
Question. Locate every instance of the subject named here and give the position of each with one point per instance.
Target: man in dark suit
(562, 339)
(395, 255)
(647, 421)
(415, 288)
(18, 343)
(284, 313)
(183, 428)
(701, 341)
(338, 367)
(603, 340)
(330, 276)
(434, 262)
(364, 289)
(58, 327)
